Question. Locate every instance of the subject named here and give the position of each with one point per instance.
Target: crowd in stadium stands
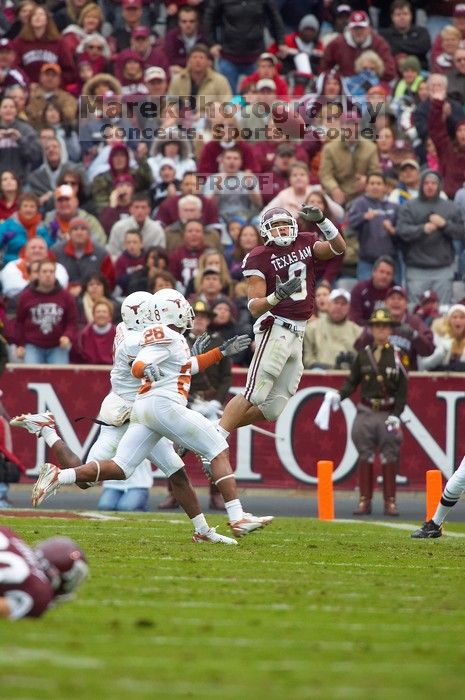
(98, 200)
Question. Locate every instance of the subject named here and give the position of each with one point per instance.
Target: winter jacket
(13, 237)
(22, 155)
(43, 318)
(214, 86)
(416, 41)
(39, 99)
(432, 250)
(94, 259)
(343, 52)
(451, 157)
(373, 238)
(324, 340)
(103, 185)
(174, 47)
(339, 164)
(241, 27)
(58, 234)
(456, 86)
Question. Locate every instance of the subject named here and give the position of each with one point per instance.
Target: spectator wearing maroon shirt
(9, 75)
(451, 153)
(180, 40)
(39, 42)
(225, 136)
(152, 55)
(131, 260)
(411, 336)
(368, 295)
(168, 210)
(184, 261)
(95, 342)
(356, 38)
(46, 320)
(80, 256)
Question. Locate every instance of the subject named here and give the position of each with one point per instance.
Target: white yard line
(13, 656)
(393, 526)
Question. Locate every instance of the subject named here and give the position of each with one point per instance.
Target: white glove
(392, 424)
(152, 373)
(334, 398)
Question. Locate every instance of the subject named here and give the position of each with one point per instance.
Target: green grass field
(303, 609)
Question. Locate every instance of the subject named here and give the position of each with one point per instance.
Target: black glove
(285, 289)
(311, 213)
(235, 345)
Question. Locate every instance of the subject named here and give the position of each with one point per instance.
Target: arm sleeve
(353, 380)
(327, 171)
(407, 228)
(356, 213)
(210, 21)
(401, 394)
(437, 129)
(153, 355)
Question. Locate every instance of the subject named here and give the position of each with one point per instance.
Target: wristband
(250, 302)
(328, 229)
(272, 299)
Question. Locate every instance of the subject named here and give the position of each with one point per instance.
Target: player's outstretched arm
(334, 244)
(260, 303)
(233, 346)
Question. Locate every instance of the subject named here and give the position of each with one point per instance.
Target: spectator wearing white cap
(356, 38)
(329, 340)
(67, 208)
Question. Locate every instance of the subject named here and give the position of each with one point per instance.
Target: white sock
(67, 476)
(200, 524)
(50, 435)
(234, 510)
(222, 431)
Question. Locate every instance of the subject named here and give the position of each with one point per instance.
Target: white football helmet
(136, 311)
(171, 308)
(270, 219)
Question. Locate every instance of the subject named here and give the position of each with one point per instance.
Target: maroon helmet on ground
(64, 562)
(271, 219)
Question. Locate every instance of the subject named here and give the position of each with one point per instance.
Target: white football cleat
(46, 485)
(212, 536)
(33, 422)
(245, 526)
(263, 519)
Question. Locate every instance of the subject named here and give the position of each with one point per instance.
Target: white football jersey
(169, 352)
(125, 348)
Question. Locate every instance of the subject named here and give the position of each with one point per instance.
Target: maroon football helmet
(270, 220)
(64, 562)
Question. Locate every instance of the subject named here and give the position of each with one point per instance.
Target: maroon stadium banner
(273, 455)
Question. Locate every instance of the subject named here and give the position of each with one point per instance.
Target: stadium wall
(287, 457)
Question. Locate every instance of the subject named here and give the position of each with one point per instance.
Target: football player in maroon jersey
(280, 285)
(31, 580)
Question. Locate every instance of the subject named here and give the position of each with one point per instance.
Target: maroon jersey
(22, 581)
(295, 260)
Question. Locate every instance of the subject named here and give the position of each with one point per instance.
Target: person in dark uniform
(383, 385)
(208, 391)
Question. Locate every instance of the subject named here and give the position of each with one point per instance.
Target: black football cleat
(429, 530)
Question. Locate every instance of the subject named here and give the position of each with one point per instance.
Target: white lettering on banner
(445, 461)
(284, 443)
(47, 400)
